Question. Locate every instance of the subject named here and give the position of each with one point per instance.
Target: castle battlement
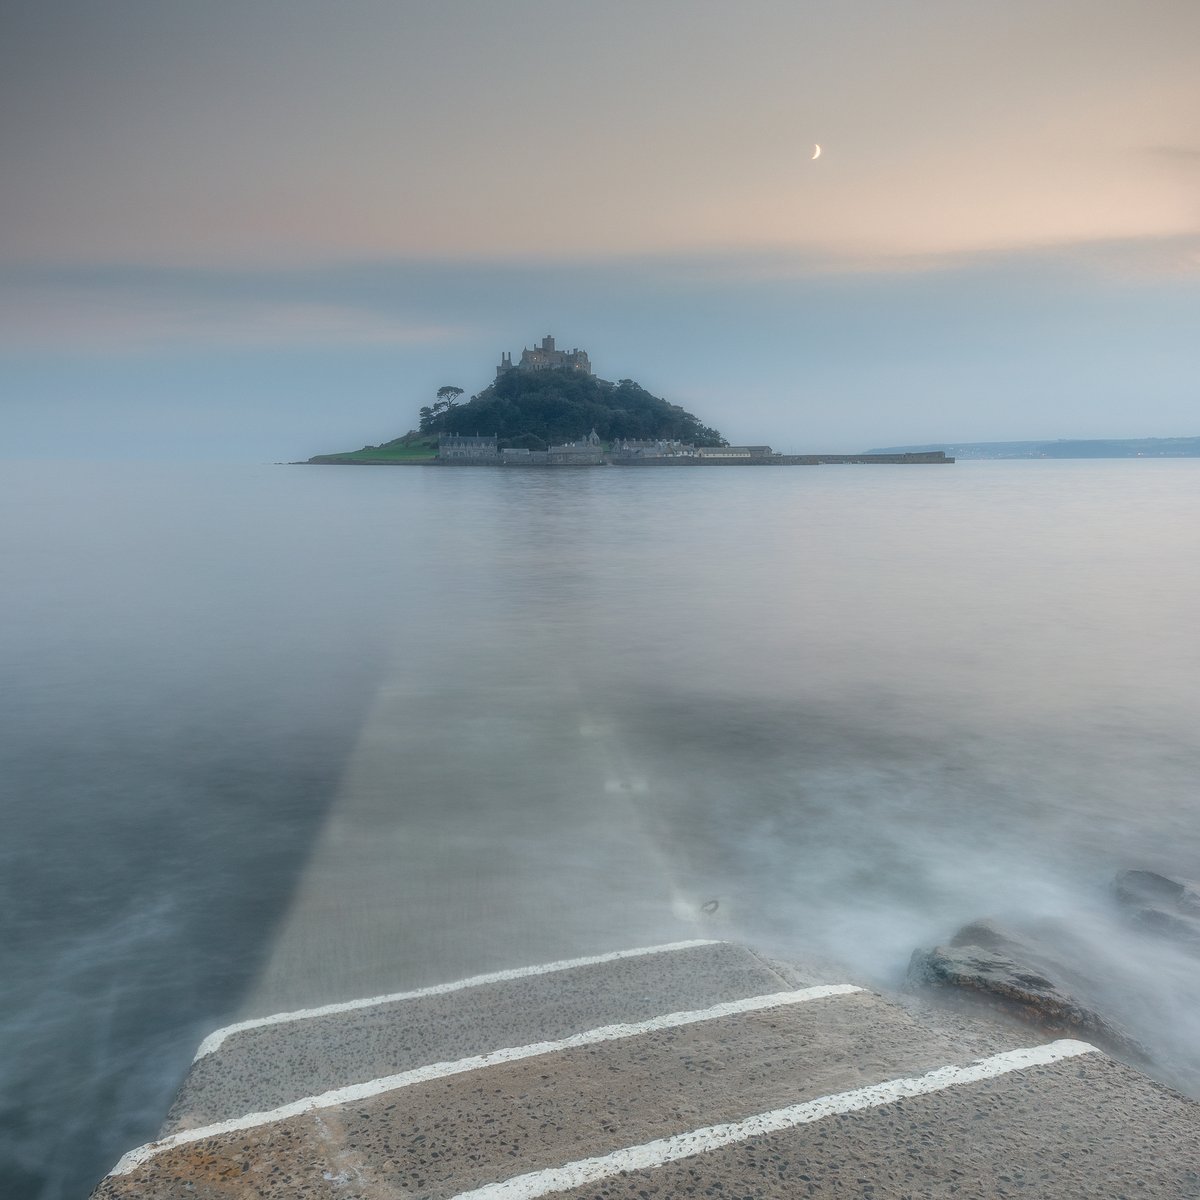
(546, 358)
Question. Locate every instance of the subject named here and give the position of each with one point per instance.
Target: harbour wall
(786, 460)
(774, 460)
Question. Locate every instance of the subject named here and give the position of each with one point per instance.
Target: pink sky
(1001, 236)
(299, 131)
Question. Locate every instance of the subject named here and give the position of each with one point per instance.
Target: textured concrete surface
(263, 1068)
(460, 1132)
(1084, 1126)
(1089, 1127)
(452, 1134)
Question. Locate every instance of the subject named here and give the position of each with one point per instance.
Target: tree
(540, 408)
(447, 397)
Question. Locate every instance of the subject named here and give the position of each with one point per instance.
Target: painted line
(216, 1039)
(390, 1083)
(713, 1137)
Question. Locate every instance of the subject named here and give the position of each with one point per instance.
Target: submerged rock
(1170, 907)
(1019, 975)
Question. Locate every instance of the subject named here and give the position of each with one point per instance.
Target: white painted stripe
(713, 1137)
(215, 1039)
(391, 1083)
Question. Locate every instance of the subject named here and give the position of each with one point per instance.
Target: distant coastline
(1180, 447)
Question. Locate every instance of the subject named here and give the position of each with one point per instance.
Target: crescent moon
(816, 151)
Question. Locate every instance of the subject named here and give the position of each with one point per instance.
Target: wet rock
(1020, 975)
(1170, 907)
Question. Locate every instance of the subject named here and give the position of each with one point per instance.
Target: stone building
(454, 448)
(518, 457)
(584, 453)
(733, 452)
(546, 358)
(652, 448)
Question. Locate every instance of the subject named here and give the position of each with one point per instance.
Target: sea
(275, 735)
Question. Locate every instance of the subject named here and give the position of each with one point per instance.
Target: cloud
(1067, 340)
(1180, 154)
(178, 311)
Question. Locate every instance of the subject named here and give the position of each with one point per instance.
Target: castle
(545, 358)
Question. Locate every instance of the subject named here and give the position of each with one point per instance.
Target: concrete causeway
(694, 1068)
(611, 1046)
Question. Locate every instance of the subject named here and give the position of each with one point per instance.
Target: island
(548, 409)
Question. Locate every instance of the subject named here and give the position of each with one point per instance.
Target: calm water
(856, 706)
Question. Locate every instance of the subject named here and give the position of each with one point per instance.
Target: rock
(1017, 974)
(1166, 906)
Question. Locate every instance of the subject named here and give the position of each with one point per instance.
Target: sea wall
(786, 460)
(774, 460)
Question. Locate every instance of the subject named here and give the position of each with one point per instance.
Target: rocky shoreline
(1047, 975)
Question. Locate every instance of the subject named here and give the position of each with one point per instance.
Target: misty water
(556, 713)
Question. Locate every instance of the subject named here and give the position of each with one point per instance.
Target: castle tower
(546, 357)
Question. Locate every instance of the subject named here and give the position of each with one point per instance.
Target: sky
(257, 230)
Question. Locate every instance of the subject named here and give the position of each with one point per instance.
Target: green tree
(539, 408)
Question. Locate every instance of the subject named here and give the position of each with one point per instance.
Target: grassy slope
(408, 449)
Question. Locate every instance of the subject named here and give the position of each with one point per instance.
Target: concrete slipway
(691, 1069)
(644, 1066)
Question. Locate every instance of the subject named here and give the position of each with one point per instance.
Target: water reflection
(280, 736)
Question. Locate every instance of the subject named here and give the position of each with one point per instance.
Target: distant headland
(1176, 447)
(548, 409)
